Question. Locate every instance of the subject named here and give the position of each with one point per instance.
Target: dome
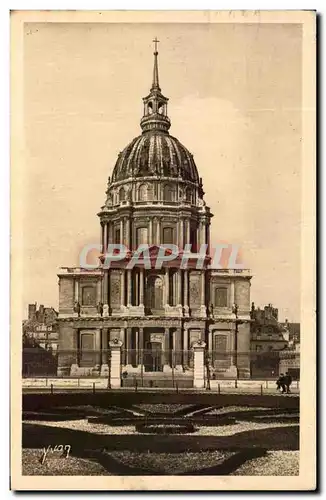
(155, 153)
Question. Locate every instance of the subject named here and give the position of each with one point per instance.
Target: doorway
(153, 362)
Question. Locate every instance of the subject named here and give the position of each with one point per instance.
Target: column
(178, 348)
(181, 234)
(185, 347)
(97, 348)
(208, 238)
(115, 371)
(76, 291)
(179, 288)
(187, 231)
(123, 343)
(105, 237)
(127, 242)
(210, 340)
(129, 346)
(141, 345)
(150, 232)
(202, 300)
(199, 365)
(167, 286)
(158, 232)
(185, 288)
(106, 287)
(135, 357)
(232, 300)
(141, 287)
(110, 233)
(105, 366)
(129, 289)
(121, 232)
(173, 349)
(136, 298)
(98, 291)
(167, 347)
(102, 237)
(122, 299)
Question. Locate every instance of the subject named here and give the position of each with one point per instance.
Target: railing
(164, 363)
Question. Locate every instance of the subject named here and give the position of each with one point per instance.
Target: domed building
(155, 197)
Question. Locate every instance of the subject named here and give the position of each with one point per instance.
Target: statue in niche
(77, 308)
(100, 308)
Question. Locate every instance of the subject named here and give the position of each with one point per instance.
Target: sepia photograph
(163, 250)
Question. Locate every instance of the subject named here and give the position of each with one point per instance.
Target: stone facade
(155, 196)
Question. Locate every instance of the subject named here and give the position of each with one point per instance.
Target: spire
(155, 104)
(155, 84)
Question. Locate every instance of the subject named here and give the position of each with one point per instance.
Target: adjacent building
(42, 327)
(154, 196)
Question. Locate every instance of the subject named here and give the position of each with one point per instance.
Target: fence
(161, 364)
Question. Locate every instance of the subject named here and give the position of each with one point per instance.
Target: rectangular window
(168, 235)
(89, 296)
(220, 342)
(87, 355)
(221, 297)
(141, 236)
(117, 236)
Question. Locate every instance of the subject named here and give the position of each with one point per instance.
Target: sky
(234, 101)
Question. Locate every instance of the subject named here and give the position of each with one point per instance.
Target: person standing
(280, 383)
(287, 382)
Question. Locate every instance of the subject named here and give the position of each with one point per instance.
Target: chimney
(32, 311)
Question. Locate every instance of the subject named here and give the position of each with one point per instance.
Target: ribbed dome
(155, 153)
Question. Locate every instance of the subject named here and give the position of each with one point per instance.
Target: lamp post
(238, 322)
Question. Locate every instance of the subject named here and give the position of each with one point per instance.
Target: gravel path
(56, 466)
(275, 463)
(171, 463)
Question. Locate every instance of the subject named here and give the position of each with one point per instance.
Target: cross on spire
(156, 41)
(155, 84)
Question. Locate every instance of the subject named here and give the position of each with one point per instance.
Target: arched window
(169, 192)
(122, 194)
(155, 292)
(188, 194)
(142, 192)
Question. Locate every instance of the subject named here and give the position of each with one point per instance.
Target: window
(221, 297)
(141, 235)
(145, 192)
(122, 194)
(155, 292)
(117, 236)
(169, 192)
(88, 296)
(258, 348)
(142, 192)
(220, 342)
(87, 357)
(168, 235)
(193, 239)
(188, 194)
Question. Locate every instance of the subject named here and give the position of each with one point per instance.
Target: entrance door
(153, 357)
(157, 356)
